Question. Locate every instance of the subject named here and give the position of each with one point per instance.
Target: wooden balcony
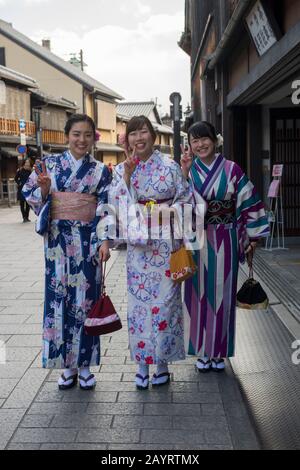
(11, 127)
(53, 137)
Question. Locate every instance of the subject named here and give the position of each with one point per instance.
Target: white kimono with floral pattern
(155, 319)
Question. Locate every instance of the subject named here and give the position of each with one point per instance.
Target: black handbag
(251, 295)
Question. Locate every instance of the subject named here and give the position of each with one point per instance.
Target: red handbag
(102, 318)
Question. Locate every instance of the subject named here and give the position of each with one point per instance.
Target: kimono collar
(156, 154)
(210, 175)
(204, 168)
(85, 159)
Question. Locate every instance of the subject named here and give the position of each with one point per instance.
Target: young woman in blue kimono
(67, 192)
(155, 322)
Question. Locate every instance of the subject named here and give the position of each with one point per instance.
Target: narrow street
(194, 412)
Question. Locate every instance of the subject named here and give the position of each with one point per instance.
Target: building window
(2, 56)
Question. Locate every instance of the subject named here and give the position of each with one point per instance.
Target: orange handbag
(182, 265)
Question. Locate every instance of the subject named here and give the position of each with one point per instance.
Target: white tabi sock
(142, 372)
(161, 375)
(67, 373)
(85, 373)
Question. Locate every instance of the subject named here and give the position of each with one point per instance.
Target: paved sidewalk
(193, 412)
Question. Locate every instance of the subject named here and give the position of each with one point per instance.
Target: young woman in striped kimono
(235, 219)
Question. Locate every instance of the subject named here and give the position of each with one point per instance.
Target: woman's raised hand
(130, 163)
(104, 253)
(186, 160)
(249, 252)
(43, 180)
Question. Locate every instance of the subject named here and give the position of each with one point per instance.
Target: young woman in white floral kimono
(149, 180)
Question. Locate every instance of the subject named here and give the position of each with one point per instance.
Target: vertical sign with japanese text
(260, 28)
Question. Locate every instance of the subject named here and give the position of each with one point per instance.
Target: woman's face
(27, 165)
(203, 147)
(142, 140)
(81, 139)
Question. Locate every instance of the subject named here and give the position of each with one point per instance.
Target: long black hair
(202, 129)
(75, 118)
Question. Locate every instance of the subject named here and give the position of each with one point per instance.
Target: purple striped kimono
(210, 296)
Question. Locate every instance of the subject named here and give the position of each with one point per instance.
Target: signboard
(21, 149)
(23, 139)
(22, 125)
(277, 170)
(261, 29)
(274, 188)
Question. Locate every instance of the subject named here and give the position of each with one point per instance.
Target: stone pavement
(193, 412)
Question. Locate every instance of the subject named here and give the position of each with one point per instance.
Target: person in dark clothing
(21, 178)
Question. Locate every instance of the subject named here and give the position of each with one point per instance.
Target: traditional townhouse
(245, 78)
(15, 104)
(21, 100)
(58, 78)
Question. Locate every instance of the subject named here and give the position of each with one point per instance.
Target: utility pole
(81, 60)
(176, 114)
(83, 94)
(38, 131)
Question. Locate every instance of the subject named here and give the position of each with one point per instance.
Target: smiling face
(203, 147)
(142, 140)
(27, 165)
(81, 139)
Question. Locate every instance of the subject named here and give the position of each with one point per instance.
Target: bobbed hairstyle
(202, 129)
(137, 123)
(75, 118)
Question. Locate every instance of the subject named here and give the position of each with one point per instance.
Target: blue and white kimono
(72, 273)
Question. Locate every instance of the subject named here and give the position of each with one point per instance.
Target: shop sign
(23, 139)
(22, 125)
(274, 188)
(261, 28)
(277, 170)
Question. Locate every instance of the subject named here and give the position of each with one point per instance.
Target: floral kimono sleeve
(183, 204)
(100, 225)
(124, 201)
(32, 193)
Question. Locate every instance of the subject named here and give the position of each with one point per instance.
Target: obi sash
(220, 212)
(153, 211)
(73, 206)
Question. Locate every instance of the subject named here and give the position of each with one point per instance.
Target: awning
(103, 147)
(9, 152)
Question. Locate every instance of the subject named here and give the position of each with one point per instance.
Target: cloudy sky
(129, 45)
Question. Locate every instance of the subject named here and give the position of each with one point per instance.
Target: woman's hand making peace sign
(43, 180)
(186, 160)
(130, 163)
